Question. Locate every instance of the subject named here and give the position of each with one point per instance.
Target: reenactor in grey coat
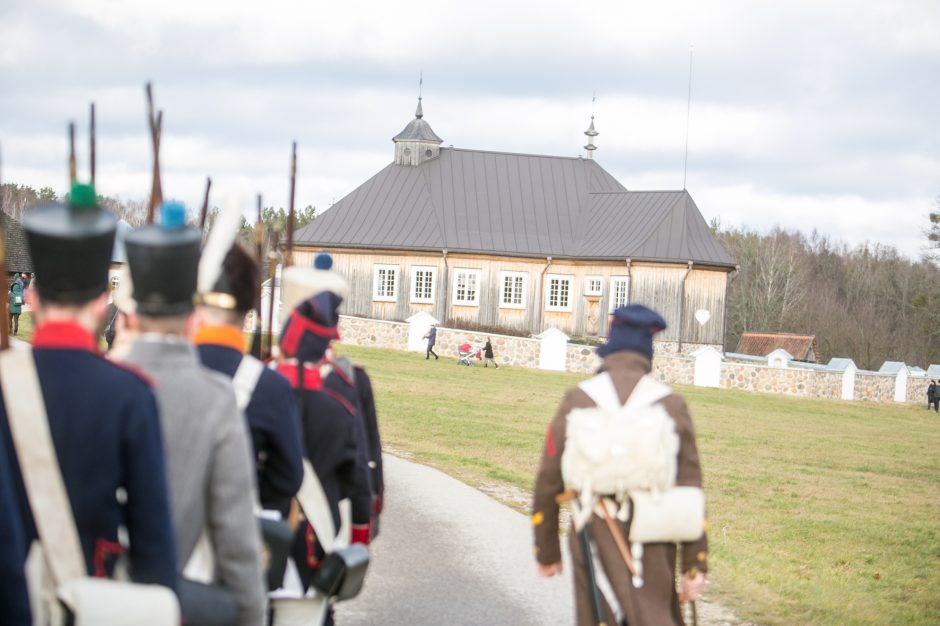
(652, 599)
(211, 473)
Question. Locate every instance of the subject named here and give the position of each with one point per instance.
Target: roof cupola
(417, 143)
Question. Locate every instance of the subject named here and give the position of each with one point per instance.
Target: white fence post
(553, 349)
(418, 325)
(707, 367)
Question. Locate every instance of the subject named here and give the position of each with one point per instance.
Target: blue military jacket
(272, 418)
(104, 425)
(332, 445)
(14, 599)
(354, 385)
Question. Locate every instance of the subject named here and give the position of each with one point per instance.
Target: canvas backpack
(613, 449)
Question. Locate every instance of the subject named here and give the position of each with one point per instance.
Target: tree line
(868, 303)
(16, 199)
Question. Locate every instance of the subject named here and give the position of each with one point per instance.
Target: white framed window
(512, 290)
(423, 280)
(593, 285)
(619, 290)
(558, 292)
(467, 287)
(385, 283)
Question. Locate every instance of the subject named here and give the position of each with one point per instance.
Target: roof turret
(417, 143)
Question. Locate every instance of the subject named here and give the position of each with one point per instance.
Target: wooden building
(519, 241)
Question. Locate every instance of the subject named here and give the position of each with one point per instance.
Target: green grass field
(820, 512)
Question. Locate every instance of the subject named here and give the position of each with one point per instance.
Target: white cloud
(807, 113)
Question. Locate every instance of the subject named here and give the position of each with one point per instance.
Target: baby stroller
(464, 352)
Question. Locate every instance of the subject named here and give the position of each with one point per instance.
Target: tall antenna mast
(91, 138)
(688, 117)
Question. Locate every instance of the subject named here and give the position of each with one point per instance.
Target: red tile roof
(802, 347)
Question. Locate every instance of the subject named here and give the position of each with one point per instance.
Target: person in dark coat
(488, 354)
(102, 417)
(352, 382)
(932, 395)
(327, 417)
(627, 358)
(271, 410)
(16, 298)
(14, 597)
(431, 336)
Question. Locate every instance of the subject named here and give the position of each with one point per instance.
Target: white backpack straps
(648, 391)
(316, 507)
(601, 390)
(246, 380)
(39, 465)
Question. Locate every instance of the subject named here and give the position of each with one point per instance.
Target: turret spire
(591, 133)
(419, 113)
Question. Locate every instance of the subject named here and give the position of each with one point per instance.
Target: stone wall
(668, 366)
(917, 389)
(360, 331)
(790, 381)
(875, 387)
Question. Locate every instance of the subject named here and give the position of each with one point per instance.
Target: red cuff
(361, 534)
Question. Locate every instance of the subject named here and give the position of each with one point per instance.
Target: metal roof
(516, 205)
(802, 347)
(840, 365)
(891, 367)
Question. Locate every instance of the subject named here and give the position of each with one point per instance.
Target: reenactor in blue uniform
(271, 408)
(328, 419)
(14, 598)
(102, 417)
(211, 474)
(352, 383)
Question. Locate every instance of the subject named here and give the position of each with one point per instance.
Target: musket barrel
(72, 166)
(205, 205)
(289, 250)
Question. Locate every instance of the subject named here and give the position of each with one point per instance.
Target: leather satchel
(206, 604)
(277, 537)
(342, 572)
(77, 598)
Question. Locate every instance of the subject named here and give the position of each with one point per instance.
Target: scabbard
(591, 578)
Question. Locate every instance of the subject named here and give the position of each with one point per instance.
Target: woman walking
(16, 304)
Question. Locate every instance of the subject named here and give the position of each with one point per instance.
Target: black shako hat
(237, 287)
(164, 262)
(71, 245)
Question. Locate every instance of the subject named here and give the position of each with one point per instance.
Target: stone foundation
(671, 364)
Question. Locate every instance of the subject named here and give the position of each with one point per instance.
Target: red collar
(64, 336)
(312, 379)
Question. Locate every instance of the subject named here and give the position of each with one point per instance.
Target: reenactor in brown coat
(611, 591)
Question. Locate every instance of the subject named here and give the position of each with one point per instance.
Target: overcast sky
(806, 114)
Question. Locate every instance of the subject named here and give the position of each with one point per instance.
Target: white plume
(220, 240)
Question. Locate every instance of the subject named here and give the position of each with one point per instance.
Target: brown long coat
(656, 602)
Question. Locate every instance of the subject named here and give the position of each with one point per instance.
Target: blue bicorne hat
(632, 329)
(311, 326)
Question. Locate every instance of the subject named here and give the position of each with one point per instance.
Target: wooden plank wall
(656, 285)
